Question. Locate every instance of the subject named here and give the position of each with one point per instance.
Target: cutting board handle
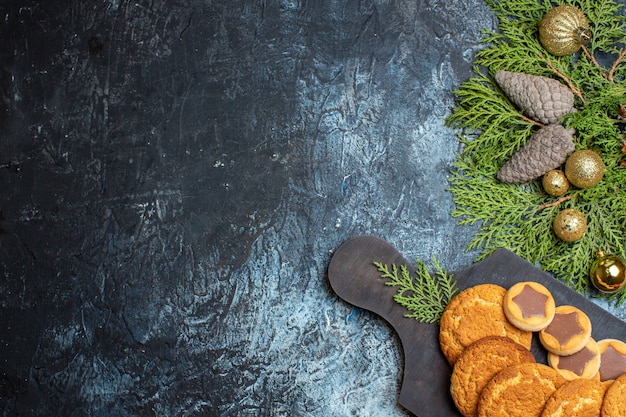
(356, 280)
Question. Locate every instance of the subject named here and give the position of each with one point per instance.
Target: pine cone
(547, 149)
(543, 99)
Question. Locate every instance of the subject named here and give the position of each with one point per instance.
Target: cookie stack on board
(486, 333)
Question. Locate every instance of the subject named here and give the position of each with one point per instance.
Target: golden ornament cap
(555, 182)
(608, 272)
(570, 225)
(584, 168)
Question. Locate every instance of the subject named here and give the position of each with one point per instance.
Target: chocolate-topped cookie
(529, 306)
(582, 364)
(612, 359)
(568, 332)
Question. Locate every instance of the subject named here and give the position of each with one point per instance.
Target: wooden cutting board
(426, 378)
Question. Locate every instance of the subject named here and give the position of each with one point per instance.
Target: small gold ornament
(555, 182)
(608, 272)
(563, 30)
(584, 168)
(570, 225)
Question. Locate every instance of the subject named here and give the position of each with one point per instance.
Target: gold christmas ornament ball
(570, 225)
(608, 272)
(563, 30)
(584, 168)
(555, 182)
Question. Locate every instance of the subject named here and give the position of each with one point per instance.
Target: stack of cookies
(486, 333)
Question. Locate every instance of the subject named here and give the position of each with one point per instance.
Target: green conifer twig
(424, 295)
(519, 216)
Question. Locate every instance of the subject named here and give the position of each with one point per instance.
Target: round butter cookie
(576, 398)
(529, 306)
(614, 404)
(473, 314)
(519, 391)
(583, 364)
(480, 362)
(612, 359)
(568, 332)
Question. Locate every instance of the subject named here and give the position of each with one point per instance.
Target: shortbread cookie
(519, 391)
(529, 306)
(612, 359)
(614, 404)
(583, 364)
(568, 333)
(576, 398)
(480, 362)
(473, 314)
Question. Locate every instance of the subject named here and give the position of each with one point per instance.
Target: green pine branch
(519, 216)
(424, 295)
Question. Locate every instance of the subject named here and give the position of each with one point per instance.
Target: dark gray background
(175, 176)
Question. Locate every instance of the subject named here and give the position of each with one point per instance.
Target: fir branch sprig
(519, 216)
(425, 295)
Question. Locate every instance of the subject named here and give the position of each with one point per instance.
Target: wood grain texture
(426, 375)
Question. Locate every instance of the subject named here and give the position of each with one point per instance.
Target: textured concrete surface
(175, 176)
